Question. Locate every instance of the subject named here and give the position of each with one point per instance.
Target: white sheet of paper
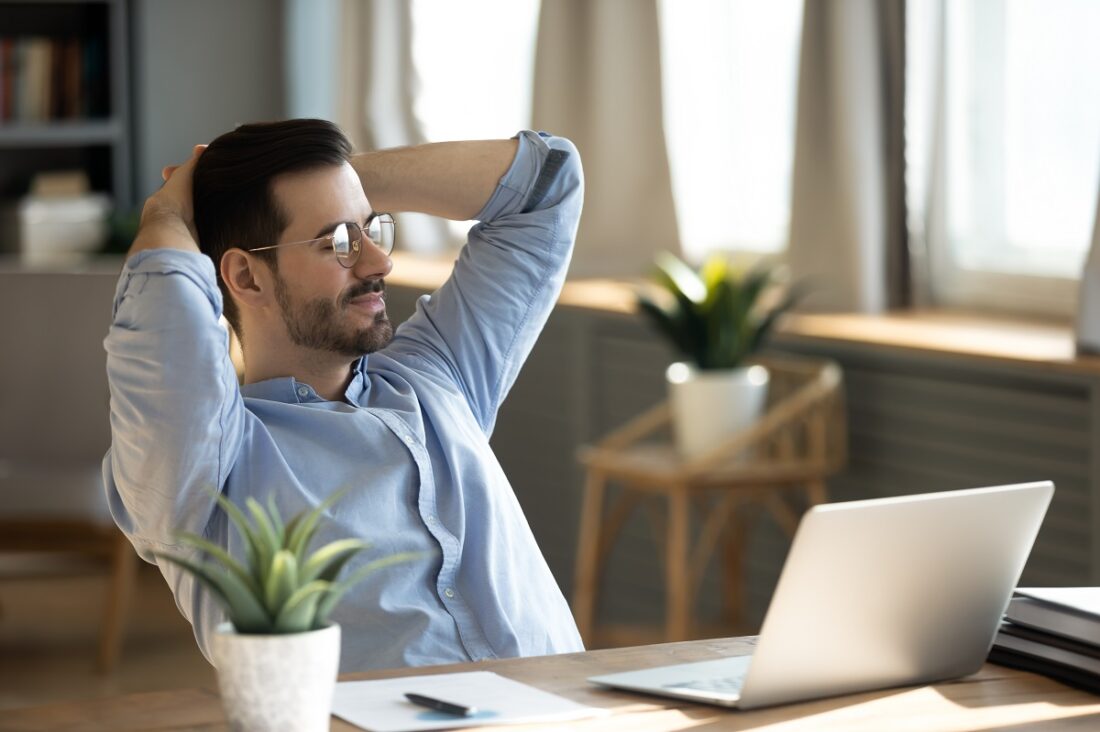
(1084, 599)
(380, 706)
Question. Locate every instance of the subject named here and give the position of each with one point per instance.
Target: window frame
(947, 283)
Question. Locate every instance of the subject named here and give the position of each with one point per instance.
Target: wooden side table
(780, 464)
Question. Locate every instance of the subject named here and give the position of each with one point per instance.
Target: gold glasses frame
(384, 240)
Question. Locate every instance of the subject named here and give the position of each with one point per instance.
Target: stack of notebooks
(1054, 631)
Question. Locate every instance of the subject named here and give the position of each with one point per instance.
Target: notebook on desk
(875, 594)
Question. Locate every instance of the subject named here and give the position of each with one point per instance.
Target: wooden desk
(994, 698)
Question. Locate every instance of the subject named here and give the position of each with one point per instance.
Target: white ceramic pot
(710, 406)
(277, 682)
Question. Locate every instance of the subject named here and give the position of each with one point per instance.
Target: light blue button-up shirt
(410, 439)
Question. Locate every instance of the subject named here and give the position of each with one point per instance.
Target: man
(277, 238)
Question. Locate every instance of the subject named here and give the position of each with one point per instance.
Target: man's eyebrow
(328, 228)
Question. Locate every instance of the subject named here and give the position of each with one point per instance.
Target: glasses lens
(343, 244)
(341, 240)
(380, 231)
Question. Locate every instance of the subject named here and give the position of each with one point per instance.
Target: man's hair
(234, 201)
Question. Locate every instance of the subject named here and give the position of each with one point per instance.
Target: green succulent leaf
(680, 279)
(245, 610)
(326, 562)
(251, 540)
(714, 316)
(280, 589)
(714, 272)
(300, 610)
(723, 335)
(767, 323)
(282, 580)
(263, 526)
(339, 589)
(299, 536)
(291, 527)
(222, 556)
(276, 519)
(667, 323)
(754, 284)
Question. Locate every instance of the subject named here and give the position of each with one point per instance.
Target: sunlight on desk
(671, 720)
(979, 702)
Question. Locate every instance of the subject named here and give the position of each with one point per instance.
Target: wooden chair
(54, 430)
(89, 539)
(779, 464)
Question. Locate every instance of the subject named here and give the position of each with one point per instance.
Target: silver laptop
(875, 594)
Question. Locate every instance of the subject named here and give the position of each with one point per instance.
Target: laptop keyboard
(719, 685)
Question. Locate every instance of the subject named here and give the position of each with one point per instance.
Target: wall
(200, 68)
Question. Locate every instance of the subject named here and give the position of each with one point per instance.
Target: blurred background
(930, 167)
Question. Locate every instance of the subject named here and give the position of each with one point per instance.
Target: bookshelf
(69, 107)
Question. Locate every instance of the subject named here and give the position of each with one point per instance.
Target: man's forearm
(449, 179)
(163, 229)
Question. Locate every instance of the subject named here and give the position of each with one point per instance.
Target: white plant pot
(710, 406)
(277, 682)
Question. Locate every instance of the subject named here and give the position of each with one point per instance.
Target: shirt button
(449, 593)
(408, 440)
(431, 519)
(302, 391)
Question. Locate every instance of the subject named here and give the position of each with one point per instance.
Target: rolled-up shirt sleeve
(177, 416)
(479, 327)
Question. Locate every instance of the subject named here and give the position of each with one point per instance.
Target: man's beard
(319, 325)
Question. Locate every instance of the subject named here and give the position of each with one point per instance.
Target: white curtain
(847, 206)
(598, 82)
(376, 88)
(378, 80)
(925, 164)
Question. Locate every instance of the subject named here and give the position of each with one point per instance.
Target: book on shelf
(34, 99)
(45, 79)
(7, 78)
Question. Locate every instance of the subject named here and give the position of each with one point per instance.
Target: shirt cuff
(522, 178)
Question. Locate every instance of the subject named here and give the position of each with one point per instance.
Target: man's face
(326, 306)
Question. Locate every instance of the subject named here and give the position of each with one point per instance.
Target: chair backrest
(54, 402)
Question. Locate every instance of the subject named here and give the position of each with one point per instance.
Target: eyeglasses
(346, 239)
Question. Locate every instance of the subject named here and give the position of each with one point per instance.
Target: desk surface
(994, 698)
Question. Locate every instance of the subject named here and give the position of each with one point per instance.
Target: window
(1016, 187)
(475, 62)
(729, 80)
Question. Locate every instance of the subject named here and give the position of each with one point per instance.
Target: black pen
(439, 705)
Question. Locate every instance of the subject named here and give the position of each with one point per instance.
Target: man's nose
(373, 262)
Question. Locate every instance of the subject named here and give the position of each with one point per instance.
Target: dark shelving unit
(100, 144)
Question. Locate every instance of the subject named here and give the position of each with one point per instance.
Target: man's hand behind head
(167, 219)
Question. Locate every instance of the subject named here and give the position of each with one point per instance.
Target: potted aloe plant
(716, 318)
(278, 655)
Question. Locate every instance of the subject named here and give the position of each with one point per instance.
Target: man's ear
(248, 279)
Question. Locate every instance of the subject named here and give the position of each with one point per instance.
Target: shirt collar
(358, 383)
(289, 390)
(282, 389)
